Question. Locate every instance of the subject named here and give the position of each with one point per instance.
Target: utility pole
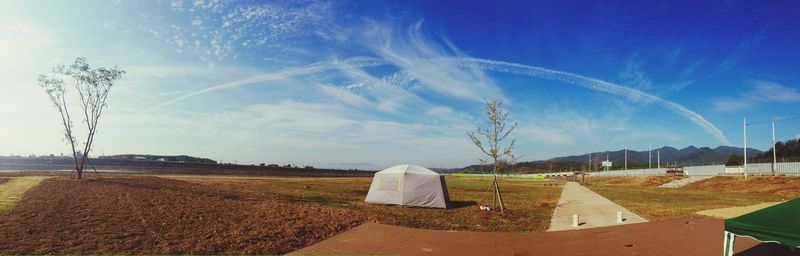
(744, 124)
(650, 157)
(590, 163)
(774, 151)
(626, 158)
(658, 154)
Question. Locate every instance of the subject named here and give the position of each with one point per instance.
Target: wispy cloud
(218, 30)
(760, 92)
(598, 85)
(633, 73)
(740, 53)
(428, 62)
(449, 75)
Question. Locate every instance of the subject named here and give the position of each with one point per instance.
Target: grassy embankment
(529, 203)
(12, 190)
(643, 196)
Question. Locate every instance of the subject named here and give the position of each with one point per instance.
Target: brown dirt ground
(779, 185)
(149, 215)
(685, 236)
(633, 180)
(4, 180)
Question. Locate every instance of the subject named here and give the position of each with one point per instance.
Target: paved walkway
(686, 236)
(593, 210)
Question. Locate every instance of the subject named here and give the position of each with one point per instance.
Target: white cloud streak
(761, 92)
(492, 65)
(597, 85)
(422, 59)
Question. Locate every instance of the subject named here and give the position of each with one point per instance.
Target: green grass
(13, 190)
(655, 203)
(472, 175)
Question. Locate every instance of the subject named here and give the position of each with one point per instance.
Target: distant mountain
(178, 159)
(687, 156)
(351, 166)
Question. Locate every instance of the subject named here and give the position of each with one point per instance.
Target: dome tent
(408, 185)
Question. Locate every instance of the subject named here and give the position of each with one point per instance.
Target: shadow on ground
(461, 204)
(768, 249)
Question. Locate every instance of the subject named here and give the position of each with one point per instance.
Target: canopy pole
(730, 238)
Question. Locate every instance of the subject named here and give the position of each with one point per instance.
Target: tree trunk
(499, 197)
(79, 170)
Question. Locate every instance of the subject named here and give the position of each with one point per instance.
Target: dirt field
(784, 186)
(147, 215)
(530, 203)
(3, 180)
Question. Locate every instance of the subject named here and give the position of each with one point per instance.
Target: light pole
(774, 151)
(744, 124)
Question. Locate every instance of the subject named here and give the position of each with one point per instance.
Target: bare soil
(3, 180)
(149, 215)
(784, 186)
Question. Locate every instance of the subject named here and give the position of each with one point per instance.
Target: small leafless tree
(92, 86)
(496, 131)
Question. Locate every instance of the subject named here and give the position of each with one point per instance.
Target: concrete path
(593, 210)
(685, 181)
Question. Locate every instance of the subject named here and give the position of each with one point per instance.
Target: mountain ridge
(689, 155)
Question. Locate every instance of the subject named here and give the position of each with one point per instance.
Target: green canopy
(777, 224)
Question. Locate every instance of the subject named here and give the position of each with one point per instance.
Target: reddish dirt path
(686, 236)
(147, 215)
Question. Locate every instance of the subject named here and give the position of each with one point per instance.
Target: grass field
(644, 197)
(12, 190)
(529, 203)
(471, 175)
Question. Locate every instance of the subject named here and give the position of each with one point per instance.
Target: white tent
(408, 185)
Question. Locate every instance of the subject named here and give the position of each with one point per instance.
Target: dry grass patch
(655, 203)
(731, 212)
(784, 186)
(530, 204)
(12, 189)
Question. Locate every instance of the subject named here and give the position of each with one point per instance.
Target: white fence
(789, 168)
(632, 172)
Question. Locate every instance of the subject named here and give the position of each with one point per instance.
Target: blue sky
(377, 83)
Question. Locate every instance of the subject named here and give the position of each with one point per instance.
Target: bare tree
(93, 86)
(494, 133)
